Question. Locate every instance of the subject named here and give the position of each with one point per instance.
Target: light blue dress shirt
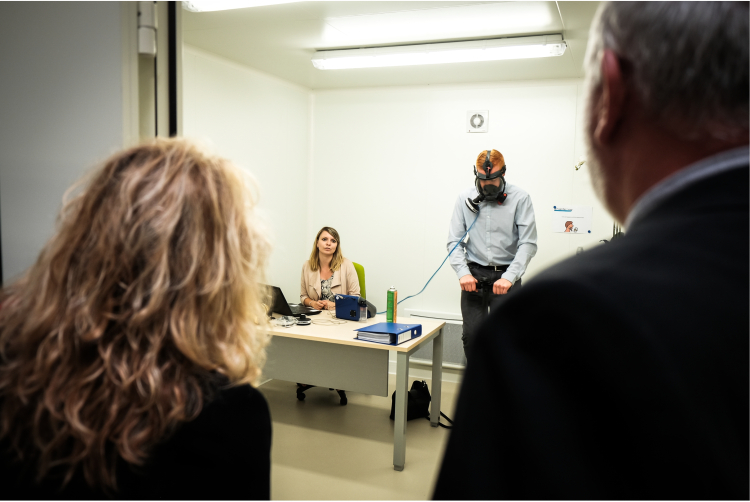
(504, 234)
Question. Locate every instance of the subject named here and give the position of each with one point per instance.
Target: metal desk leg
(399, 430)
(437, 378)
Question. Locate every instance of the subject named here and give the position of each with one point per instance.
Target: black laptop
(279, 305)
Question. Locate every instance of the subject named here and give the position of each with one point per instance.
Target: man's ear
(612, 100)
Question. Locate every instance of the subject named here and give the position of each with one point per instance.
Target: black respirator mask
(489, 192)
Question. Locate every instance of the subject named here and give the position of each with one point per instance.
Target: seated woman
(327, 273)
(324, 275)
(127, 349)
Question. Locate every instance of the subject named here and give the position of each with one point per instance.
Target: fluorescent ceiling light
(212, 5)
(451, 52)
(481, 21)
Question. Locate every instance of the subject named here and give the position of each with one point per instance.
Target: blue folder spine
(414, 331)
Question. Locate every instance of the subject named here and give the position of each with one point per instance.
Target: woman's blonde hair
(149, 289)
(338, 256)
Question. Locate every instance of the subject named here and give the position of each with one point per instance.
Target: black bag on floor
(418, 401)
(418, 404)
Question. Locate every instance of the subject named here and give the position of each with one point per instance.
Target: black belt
(496, 268)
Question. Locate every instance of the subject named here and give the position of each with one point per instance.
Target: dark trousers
(476, 306)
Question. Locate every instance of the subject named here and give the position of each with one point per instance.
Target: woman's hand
(317, 305)
(328, 304)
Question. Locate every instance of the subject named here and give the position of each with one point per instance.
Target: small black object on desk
(303, 320)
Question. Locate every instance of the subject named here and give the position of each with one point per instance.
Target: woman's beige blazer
(345, 281)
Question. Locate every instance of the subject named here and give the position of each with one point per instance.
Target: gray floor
(324, 451)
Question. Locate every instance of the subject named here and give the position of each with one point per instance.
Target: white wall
(384, 166)
(261, 123)
(61, 112)
(395, 160)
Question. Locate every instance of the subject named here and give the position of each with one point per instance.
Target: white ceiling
(280, 39)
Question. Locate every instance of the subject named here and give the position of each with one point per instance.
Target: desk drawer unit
(356, 369)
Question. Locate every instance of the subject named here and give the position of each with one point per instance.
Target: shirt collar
(705, 168)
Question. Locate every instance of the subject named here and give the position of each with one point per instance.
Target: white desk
(330, 356)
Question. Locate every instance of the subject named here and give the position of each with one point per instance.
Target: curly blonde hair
(151, 285)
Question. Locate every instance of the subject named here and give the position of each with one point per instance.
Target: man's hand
(501, 286)
(468, 283)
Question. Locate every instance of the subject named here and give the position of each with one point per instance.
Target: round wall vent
(477, 120)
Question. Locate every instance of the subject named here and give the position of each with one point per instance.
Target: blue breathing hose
(441, 265)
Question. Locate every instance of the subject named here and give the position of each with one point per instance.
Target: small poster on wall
(572, 219)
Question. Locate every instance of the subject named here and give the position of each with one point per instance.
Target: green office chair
(301, 388)
(361, 276)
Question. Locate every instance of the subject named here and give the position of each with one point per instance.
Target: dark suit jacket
(621, 373)
(223, 454)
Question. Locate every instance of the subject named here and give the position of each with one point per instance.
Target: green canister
(390, 315)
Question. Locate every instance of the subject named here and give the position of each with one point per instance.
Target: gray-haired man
(643, 394)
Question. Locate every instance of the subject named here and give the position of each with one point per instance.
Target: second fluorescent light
(450, 52)
(214, 5)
